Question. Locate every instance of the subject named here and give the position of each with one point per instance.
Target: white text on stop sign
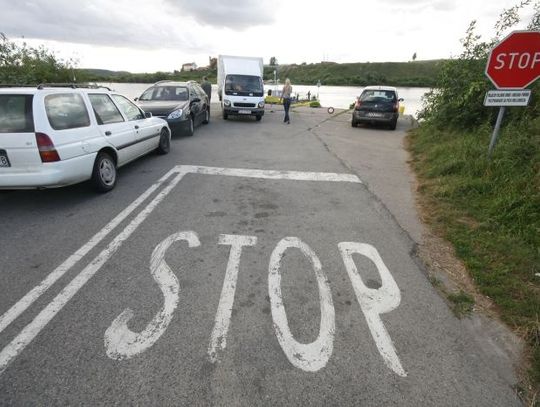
(525, 60)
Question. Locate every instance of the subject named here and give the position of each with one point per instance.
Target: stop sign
(515, 61)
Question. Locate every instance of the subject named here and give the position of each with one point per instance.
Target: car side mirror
(400, 100)
(147, 115)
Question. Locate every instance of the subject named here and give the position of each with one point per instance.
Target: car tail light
(46, 148)
(357, 104)
(396, 107)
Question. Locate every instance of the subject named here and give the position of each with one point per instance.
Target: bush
(314, 103)
(24, 65)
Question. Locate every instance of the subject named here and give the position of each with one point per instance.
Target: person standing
(286, 94)
(207, 87)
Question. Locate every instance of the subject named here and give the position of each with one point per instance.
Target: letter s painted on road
(120, 341)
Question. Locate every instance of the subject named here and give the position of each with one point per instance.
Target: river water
(335, 96)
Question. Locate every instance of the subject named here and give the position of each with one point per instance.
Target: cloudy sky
(147, 36)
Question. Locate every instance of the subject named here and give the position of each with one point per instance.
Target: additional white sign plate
(507, 98)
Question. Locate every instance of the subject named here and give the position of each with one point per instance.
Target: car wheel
(191, 127)
(354, 123)
(164, 142)
(104, 173)
(225, 116)
(258, 117)
(207, 116)
(393, 124)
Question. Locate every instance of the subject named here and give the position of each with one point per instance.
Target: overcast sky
(147, 36)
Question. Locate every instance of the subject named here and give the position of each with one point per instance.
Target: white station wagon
(56, 136)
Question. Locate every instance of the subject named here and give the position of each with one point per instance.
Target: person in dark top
(207, 87)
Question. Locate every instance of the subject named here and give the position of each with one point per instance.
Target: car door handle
(136, 127)
(108, 133)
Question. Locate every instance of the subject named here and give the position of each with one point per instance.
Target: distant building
(190, 66)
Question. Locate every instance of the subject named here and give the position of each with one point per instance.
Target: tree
(414, 57)
(273, 61)
(213, 63)
(22, 64)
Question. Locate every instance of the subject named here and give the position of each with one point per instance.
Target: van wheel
(207, 116)
(225, 116)
(164, 142)
(104, 173)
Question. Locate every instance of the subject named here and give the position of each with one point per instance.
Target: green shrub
(314, 103)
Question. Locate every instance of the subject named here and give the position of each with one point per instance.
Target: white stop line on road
(122, 343)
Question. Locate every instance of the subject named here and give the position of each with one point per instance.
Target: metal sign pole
(496, 131)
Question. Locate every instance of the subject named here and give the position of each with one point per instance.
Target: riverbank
(404, 74)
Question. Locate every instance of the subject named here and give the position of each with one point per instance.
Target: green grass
(490, 212)
(462, 303)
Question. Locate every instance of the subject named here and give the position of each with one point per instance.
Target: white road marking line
(271, 174)
(17, 345)
(374, 302)
(18, 308)
(218, 339)
(120, 341)
(313, 356)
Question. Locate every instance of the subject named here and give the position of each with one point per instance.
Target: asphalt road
(250, 266)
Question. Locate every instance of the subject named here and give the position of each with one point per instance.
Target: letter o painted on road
(313, 356)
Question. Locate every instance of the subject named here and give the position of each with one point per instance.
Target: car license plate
(373, 114)
(4, 161)
(244, 112)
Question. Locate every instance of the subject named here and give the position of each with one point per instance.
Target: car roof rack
(73, 86)
(15, 85)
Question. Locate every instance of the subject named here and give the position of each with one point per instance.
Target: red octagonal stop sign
(515, 61)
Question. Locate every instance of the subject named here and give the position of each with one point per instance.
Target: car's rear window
(378, 96)
(16, 114)
(66, 111)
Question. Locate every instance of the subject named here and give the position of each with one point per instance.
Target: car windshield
(244, 85)
(179, 93)
(378, 96)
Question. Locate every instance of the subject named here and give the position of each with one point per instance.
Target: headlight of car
(176, 114)
(261, 103)
(226, 102)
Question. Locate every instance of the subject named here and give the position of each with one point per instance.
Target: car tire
(225, 116)
(393, 124)
(354, 123)
(104, 173)
(191, 127)
(207, 116)
(258, 117)
(164, 142)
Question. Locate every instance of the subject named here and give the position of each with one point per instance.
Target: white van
(240, 86)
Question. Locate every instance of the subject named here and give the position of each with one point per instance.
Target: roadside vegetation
(25, 65)
(488, 209)
(414, 73)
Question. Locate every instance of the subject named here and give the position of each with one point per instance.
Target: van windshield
(243, 85)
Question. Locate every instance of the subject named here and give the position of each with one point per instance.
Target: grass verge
(490, 212)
